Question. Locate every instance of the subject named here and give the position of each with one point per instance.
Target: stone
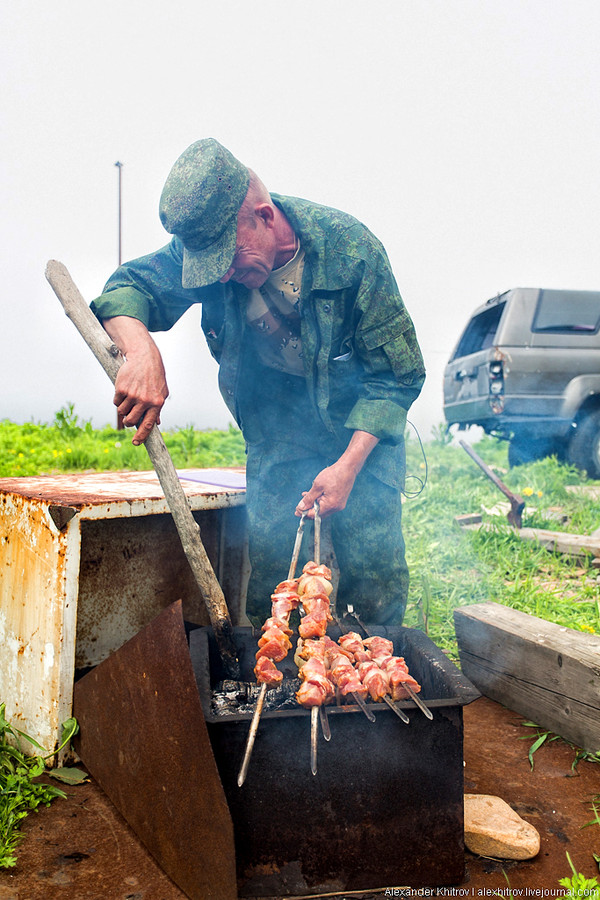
(493, 828)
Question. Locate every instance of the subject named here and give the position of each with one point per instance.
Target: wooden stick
(111, 359)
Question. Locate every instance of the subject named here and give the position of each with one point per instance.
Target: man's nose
(227, 275)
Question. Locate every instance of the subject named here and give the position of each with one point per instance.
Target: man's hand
(141, 386)
(332, 486)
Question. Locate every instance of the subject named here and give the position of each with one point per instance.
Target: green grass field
(449, 567)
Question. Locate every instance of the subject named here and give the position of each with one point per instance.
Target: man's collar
(309, 221)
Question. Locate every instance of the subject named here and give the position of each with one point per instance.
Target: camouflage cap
(199, 203)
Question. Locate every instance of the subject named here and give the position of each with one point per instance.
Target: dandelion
(69, 450)
(20, 455)
(55, 453)
(106, 450)
(117, 444)
(32, 450)
(540, 493)
(527, 492)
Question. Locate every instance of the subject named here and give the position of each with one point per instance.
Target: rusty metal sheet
(37, 631)
(90, 489)
(144, 739)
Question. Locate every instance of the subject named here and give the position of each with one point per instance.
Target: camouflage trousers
(364, 541)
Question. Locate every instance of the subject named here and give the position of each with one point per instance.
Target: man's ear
(267, 213)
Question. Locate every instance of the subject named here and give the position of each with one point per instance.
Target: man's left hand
(331, 488)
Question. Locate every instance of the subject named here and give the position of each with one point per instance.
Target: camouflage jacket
(363, 365)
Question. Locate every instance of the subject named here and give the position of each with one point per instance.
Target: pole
(119, 165)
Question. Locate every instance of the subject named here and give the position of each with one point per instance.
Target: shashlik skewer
(381, 680)
(316, 689)
(375, 682)
(381, 652)
(252, 734)
(339, 669)
(382, 649)
(315, 618)
(407, 687)
(314, 588)
(275, 638)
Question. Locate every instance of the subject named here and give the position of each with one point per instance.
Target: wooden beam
(560, 541)
(546, 672)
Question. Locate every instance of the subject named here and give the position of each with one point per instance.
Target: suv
(527, 369)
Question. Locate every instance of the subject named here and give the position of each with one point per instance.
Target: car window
(566, 312)
(480, 332)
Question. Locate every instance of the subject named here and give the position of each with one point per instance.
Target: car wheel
(584, 449)
(524, 449)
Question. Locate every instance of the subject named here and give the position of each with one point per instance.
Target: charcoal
(234, 697)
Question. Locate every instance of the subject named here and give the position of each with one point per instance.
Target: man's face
(254, 254)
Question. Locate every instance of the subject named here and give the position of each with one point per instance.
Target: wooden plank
(559, 541)
(562, 542)
(546, 672)
(589, 491)
(468, 519)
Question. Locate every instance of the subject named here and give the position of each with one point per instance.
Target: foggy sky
(464, 133)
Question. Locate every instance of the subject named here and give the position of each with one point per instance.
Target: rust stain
(31, 578)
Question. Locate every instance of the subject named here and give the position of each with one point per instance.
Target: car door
(466, 378)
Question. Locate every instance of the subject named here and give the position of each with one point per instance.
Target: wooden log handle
(111, 359)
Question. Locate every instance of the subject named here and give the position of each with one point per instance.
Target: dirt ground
(82, 849)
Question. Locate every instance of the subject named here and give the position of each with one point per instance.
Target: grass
(21, 792)
(451, 567)
(70, 445)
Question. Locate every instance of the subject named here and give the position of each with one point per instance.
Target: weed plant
(20, 788)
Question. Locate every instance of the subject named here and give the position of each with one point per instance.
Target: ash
(235, 697)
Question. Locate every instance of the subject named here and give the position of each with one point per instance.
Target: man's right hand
(141, 386)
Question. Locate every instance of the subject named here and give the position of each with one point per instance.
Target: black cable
(411, 495)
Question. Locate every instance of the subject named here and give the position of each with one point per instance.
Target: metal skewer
(363, 706)
(297, 545)
(322, 712)
(252, 733)
(399, 712)
(356, 697)
(263, 689)
(416, 699)
(314, 721)
(317, 524)
(324, 723)
(314, 713)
